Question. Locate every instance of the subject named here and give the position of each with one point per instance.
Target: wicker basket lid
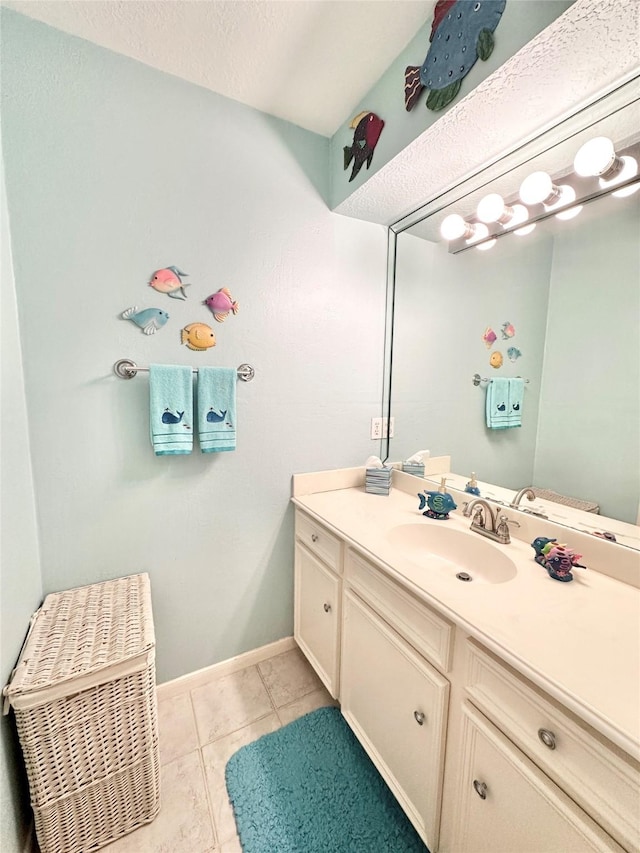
(83, 637)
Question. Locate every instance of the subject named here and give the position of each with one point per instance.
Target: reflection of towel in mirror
(504, 403)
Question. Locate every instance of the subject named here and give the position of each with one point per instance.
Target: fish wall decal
(367, 129)
(461, 32)
(169, 281)
(221, 303)
(149, 319)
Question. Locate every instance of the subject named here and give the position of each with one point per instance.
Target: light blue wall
(113, 170)
(443, 305)
(589, 431)
(20, 581)
(520, 22)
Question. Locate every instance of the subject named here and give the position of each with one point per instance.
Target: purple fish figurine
(221, 303)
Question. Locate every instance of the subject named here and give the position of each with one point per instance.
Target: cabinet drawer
(598, 775)
(318, 540)
(425, 630)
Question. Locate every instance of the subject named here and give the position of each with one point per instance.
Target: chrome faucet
(483, 513)
(526, 492)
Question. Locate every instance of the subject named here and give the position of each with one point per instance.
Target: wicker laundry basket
(83, 693)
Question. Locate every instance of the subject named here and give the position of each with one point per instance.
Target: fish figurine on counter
(367, 129)
(557, 559)
(149, 319)
(198, 336)
(220, 304)
(438, 505)
(461, 33)
(169, 281)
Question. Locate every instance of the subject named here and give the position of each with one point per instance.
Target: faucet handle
(504, 519)
(478, 516)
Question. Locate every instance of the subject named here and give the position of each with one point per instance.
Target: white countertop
(579, 641)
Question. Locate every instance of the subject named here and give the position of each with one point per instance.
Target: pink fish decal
(169, 281)
(220, 304)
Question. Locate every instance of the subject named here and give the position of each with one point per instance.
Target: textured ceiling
(307, 61)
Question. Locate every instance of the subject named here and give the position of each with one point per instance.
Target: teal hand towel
(171, 409)
(504, 403)
(217, 409)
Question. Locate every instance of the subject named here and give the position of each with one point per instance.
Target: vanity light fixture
(597, 158)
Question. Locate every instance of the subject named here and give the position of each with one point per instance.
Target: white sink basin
(458, 550)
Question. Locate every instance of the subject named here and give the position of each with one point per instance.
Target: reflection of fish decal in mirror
(169, 418)
(213, 417)
(513, 353)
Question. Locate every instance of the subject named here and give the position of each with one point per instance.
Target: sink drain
(463, 576)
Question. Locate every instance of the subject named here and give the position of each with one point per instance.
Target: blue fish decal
(213, 418)
(169, 418)
(513, 353)
(463, 33)
(149, 319)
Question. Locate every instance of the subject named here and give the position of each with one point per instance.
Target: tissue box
(377, 481)
(416, 468)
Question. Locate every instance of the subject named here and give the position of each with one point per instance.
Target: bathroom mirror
(563, 303)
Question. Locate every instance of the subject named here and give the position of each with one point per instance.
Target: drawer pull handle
(419, 717)
(548, 738)
(314, 537)
(327, 607)
(481, 789)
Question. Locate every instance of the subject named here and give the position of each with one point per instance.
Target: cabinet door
(317, 616)
(396, 704)
(507, 804)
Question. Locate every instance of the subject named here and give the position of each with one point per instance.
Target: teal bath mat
(311, 788)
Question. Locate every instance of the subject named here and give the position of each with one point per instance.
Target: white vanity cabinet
(479, 757)
(318, 599)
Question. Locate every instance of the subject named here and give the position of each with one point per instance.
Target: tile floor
(200, 730)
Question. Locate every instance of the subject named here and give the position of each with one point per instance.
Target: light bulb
(627, 168)
(526, 229)
(566, 196)
(595, 157)
(519, 214)
(538, 188)
(454, 226)
(492, 208)
(478, 232)
(570, 212)
(489, 244)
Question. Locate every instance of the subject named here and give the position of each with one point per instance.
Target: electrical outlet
(380, 427)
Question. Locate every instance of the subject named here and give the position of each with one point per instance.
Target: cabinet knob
(419, 717)
(548, 738)
(327, 607)
(314, 537)
(481, 789)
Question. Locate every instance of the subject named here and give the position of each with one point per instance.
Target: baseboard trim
(201, 676)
